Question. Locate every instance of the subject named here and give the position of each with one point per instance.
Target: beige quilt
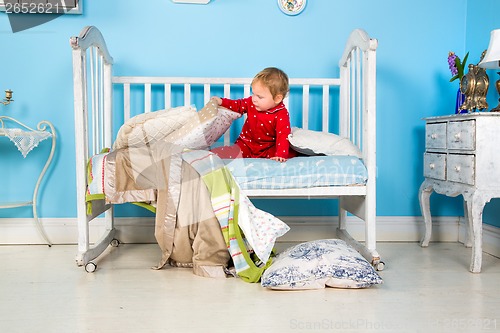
(202, 218)
(186, 227)
(152, 171)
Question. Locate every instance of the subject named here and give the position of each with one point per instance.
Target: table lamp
(492, 60)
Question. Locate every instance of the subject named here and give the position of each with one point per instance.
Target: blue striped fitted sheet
(298, 172)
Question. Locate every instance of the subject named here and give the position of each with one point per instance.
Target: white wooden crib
(95, 85)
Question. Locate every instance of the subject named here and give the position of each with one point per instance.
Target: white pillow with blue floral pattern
(320, 263)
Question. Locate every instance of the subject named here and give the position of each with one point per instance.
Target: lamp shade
(492, 57)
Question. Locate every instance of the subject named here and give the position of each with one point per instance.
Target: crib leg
(342, 218)
(86, 252)
(371, 255)
(358, 206)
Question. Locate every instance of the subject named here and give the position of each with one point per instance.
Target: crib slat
(227, 94)
(352, 110)
(94, 88)
(92, 115)
(85, 100)
(358, 97)
(286, 101)
(246, 93)
(108, 103)
(349, 99)
(206, 92)
(99, 115)
(227, 90)
(168, 95)
(305, 106)
(147, 97)
(187, 94)
(246, 90)
(342, 101)
(103, 135)
(126, 101)
(326, 107)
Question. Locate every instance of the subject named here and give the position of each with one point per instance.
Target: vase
(460, 100)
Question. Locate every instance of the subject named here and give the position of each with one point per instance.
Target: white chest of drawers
(462, 157)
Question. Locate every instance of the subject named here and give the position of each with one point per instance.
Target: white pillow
(316, 264)
(152, 126)
(310, 142)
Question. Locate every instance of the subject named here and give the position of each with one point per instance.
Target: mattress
(298, 172)
(262, 173)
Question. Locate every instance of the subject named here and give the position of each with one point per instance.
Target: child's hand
(217, 100)
(278, 159)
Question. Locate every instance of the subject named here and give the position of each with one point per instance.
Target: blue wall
(238, 38)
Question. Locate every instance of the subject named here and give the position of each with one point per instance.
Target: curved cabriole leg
(424, 194)
(475, 206)
(468, 221)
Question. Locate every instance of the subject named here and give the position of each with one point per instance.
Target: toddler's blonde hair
(274, 79)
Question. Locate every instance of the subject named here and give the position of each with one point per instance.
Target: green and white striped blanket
(249, 232)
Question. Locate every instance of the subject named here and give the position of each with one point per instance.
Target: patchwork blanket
(202, 217)
(245, 228)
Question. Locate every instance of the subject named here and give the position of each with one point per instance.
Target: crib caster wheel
(114, 243)
(90, 267)
(380, 266)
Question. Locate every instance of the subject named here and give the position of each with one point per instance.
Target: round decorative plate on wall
(292, 7)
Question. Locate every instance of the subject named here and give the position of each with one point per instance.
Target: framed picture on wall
(41, 6)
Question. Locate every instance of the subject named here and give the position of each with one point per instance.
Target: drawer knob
(457, 137)
(457, 168)
(434, 136)
(432, 166)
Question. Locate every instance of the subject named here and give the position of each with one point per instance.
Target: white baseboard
(141, 230)
(389, 228)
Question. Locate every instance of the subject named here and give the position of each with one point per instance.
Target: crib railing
(184, 86)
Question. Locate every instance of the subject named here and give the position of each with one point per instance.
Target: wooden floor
(424, 290)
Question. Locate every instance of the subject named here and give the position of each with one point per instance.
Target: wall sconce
(8, 97)
(492, 60)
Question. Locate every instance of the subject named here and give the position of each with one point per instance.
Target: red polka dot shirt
(264, 133)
